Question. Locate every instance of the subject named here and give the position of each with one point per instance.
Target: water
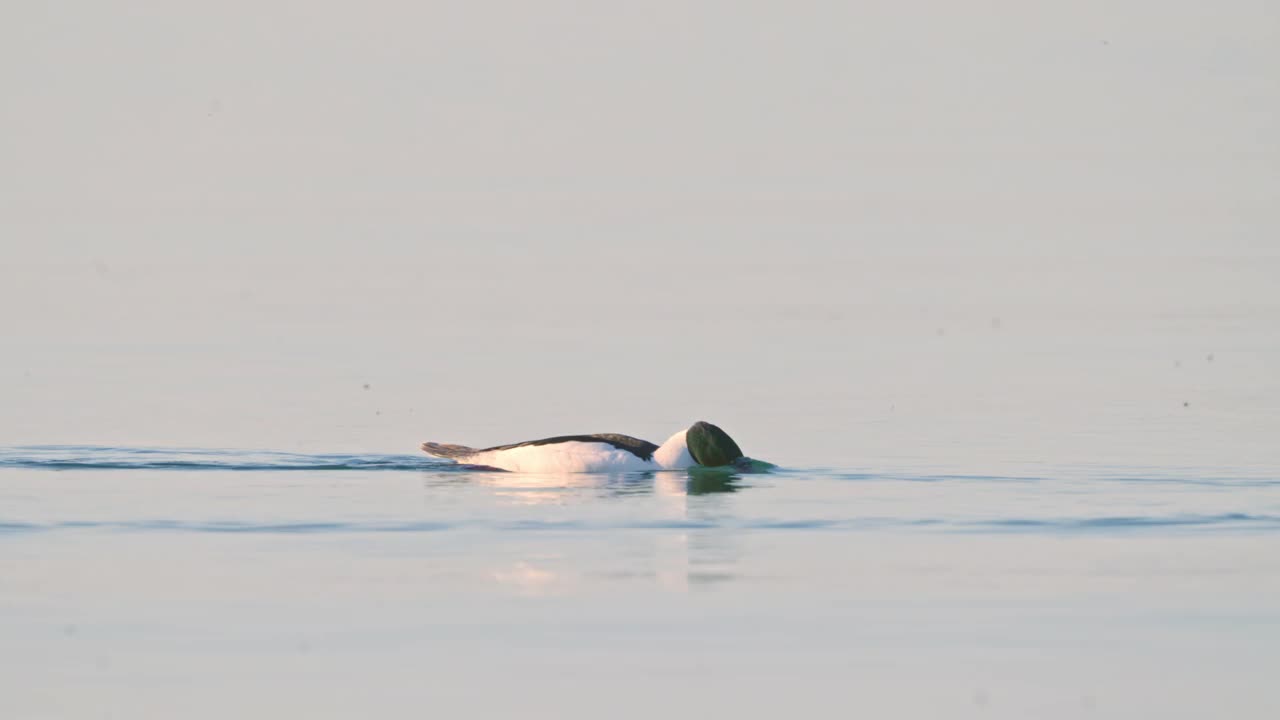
(231, 582)
(998, 495)
(998, 294)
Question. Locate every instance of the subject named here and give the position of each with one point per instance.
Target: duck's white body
(581, 454)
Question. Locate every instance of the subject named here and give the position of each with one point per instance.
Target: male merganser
(702, 444)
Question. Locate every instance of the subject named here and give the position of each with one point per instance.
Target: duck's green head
(710, 446)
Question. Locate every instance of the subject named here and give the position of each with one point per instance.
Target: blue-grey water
(231, 582)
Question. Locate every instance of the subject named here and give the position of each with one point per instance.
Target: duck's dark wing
(642, 449)
(451, 452)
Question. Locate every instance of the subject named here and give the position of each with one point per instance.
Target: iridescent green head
(710, 446)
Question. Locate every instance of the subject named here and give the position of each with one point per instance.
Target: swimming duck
(701, 444)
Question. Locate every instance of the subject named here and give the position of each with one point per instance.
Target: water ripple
(91, 457)
(1071, 525)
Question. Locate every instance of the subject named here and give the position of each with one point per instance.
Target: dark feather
(642, 449)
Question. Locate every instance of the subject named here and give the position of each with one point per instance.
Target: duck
(699, 445)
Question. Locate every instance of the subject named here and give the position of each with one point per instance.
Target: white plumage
(580, 454)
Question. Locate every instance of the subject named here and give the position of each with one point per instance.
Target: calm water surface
(998, 295)
(329, 585)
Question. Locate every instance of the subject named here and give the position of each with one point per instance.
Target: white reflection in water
(677, 544)
(527, 578)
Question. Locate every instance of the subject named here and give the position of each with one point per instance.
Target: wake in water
(97, 457)
(89, 457)
(1240, 522)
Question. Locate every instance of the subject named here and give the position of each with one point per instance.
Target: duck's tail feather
(445, 450)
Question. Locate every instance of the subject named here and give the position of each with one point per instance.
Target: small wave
(91, 457)
(1056, 526)
(1239, 520)
(221, 527)
(307, 528)
(1206, 480)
